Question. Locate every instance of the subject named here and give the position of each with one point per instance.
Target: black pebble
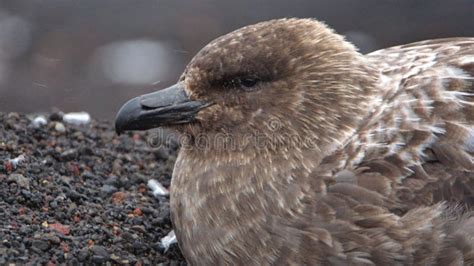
(40, 244)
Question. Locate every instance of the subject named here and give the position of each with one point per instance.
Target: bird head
(294, 76)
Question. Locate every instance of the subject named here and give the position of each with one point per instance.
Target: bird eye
(248, 82)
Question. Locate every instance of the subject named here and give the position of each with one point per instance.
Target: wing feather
(413, 155)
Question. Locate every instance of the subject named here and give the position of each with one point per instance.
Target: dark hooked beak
(165, 107)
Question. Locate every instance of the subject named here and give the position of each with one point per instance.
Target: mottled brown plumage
(366, 159)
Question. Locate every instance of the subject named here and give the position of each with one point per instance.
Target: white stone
(60, 127)
(168, 240)
(157, 188)
(80, 118)
(40, 121)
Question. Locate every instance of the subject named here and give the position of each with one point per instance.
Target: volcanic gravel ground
(80, 196)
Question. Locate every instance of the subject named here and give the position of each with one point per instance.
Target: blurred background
(92, 55)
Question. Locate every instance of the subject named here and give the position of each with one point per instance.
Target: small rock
(74, 195)
(107, 190)
(139, 228)
(17, 161)
(59, 127)
(40, 244)
(83, 254)
(84, 150)
(35, 168)
(53, 204)
(138, 178)
(60, 198)
(100, 251)
(20, 180)
(24, 229)
(63, 229)
(157, 188)
(167, 241)
(137, 212)
(113, 181)
(8, 166)
(80, 118)
(66, 180)
(52, 238)
(26, 194)
(139, 247)
(39, 121)
(68, 155)
(56, 116)
(114, 257)
(161, 153)
(118, 197)
(88, 175)
(99, 259)
(13, 115)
